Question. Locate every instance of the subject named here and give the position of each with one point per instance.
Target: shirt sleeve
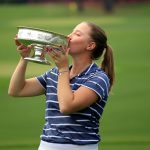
(99, 84)
(42, 79)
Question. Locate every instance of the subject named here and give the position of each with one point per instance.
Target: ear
(91, 46)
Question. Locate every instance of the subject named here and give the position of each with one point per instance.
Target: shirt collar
(90, 69)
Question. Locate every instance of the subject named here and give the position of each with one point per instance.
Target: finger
(56, 52)
(21, 47)
(67, 52)
(62, 49)
(29, 47)
(52, 57)
(17, 42)
(47, 49)
(42, 55)
(22, 50)
(52, 54)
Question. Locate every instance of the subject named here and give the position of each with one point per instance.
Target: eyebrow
(78, 31)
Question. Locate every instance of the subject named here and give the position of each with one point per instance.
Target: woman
(76, 94)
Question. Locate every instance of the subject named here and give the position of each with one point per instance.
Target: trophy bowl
(40, 39)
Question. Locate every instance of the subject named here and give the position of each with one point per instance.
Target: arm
(69, 101)
(19, 86)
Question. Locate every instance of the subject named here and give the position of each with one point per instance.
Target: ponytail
(108, 64)
(100, 38)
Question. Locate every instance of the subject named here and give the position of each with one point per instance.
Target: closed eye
(78, 34)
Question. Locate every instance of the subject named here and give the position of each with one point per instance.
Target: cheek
(76, 47)
(78, 43)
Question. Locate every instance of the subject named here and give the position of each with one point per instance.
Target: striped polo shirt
(80, 127)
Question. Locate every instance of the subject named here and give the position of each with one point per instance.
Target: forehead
(83, 27)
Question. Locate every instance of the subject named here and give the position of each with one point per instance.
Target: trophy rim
(43, 30)
(40, 43)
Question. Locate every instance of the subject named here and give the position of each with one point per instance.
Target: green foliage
(125, 123)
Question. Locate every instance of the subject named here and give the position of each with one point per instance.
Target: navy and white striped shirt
(81, 127)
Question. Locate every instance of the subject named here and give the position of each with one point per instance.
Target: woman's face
(79, 39)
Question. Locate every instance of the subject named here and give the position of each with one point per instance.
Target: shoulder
(102, 76)
(97, 73)
(98, 81)
(52, 71)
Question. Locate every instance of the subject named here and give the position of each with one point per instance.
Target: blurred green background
(125, 123)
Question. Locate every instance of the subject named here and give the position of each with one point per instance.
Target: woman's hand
(59, 56)
(22, 49)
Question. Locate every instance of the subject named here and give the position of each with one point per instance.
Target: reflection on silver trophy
(40, 39)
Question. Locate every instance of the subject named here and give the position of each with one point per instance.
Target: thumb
(67, 51)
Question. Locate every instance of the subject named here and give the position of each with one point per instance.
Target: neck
(79, 65)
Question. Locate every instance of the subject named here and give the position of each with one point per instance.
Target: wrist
(63, 69)
(22, 60)
(63, 72)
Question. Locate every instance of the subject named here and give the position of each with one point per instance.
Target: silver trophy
(40, 39)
